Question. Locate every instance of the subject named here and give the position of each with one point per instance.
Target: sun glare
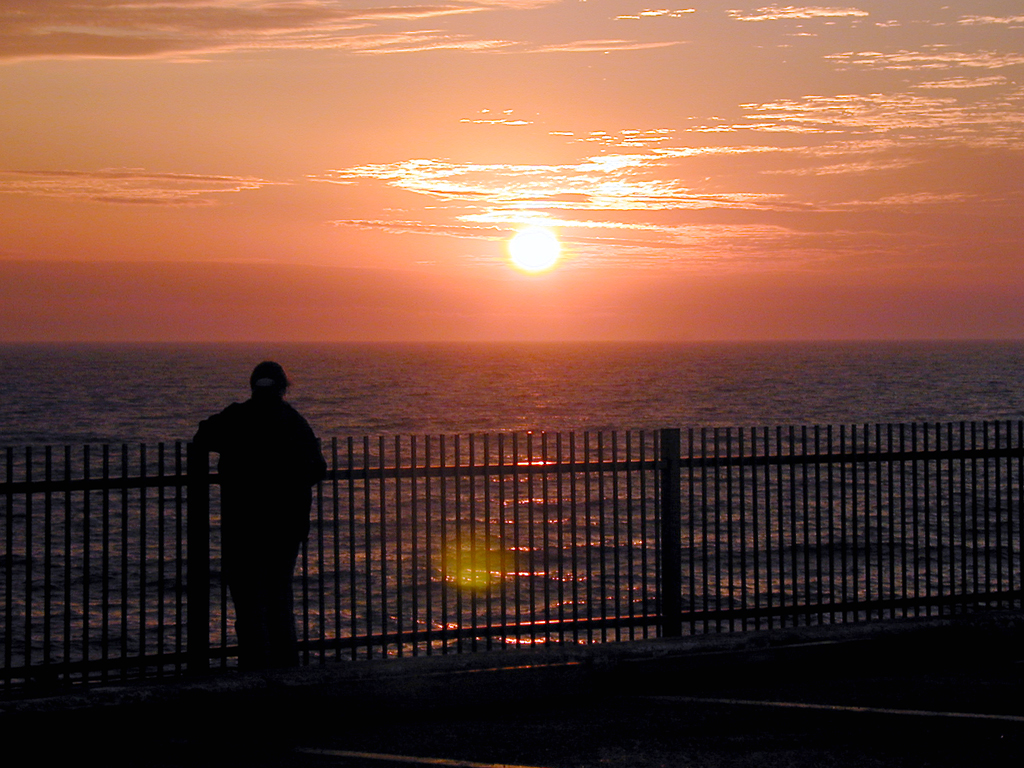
(534, 249)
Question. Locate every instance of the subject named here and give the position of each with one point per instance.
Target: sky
(310, 170)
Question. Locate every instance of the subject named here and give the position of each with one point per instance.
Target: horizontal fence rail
(444, 544)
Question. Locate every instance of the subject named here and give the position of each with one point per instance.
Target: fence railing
(443, 544)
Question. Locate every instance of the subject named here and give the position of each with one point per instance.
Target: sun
(535, 249)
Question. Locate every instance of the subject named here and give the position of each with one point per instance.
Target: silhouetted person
(269, 461)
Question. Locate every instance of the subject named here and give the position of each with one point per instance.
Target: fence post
(197, 524)
(671, 534)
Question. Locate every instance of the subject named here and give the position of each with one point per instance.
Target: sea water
(87, 393)
(113, 395)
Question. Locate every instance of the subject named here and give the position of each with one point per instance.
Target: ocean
(377, 564)
(146, 393)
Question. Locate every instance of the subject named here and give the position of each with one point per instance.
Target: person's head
(268, 380)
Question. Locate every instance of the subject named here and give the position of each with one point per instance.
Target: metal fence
(444, 544)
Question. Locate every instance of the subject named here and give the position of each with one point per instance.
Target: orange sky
(314, 170)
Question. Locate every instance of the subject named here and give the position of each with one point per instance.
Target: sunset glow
(313, 170)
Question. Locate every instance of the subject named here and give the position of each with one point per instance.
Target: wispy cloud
(777, 12)
(413, 42)
(601, 183)
(628, 138)
(601, 46)
(126, 186)
(938, 58)
(610, 243)
(662, 13)
(486, 117)
(854, 167)
(959, 83)
(907, 199)
(997, 120)
(187, 28)
(972, 20)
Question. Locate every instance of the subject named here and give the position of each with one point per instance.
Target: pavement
(912, 692)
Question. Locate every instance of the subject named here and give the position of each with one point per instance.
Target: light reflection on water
(152, 393)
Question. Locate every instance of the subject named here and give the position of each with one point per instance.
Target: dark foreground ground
(911, 693)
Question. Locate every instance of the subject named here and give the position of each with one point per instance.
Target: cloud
(775, 12)
(601, 46)
(602, 183)
(864, 166)
(662, 13)
(925, 60)
(126, 186)
(31, 29)
(958, 83)
(629, 138)
(993, 121)
(489, 118)
(972, 20)
(413, 42)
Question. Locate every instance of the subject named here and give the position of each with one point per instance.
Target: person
(269, 460)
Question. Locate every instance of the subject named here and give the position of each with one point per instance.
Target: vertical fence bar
(939, 582)
(691, 524)
(602, 551)
(9, 569)
(336, 546)
(716, 484)
(768, 571)
(428, 530)
(1016, 503)
(805, 525)
(705, 579)
(489, 545)
(161, 530)
(503, 538)
(198, 532)
(454, 566)
(30, 556)
(644, 534)
(68, 517)
(844, 559)
(414, 535)
(382, 533)
(559, 533)
(321, 576)
(616, 564)
(730, 581)
(367, 553)
(919, 479)
(443, 524)
(755, 517)
(125, 627)
(741, 473)
(86, 557)
(48, 558)
(399, 595)
(179, 561)
(671, 534)
(143, 551)
(819, 592)
(987, 506)
(478, 552)
(353, 551)
(574, 537)
(105, 567)
(630, 565)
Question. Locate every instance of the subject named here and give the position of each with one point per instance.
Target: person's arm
(211, 432)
